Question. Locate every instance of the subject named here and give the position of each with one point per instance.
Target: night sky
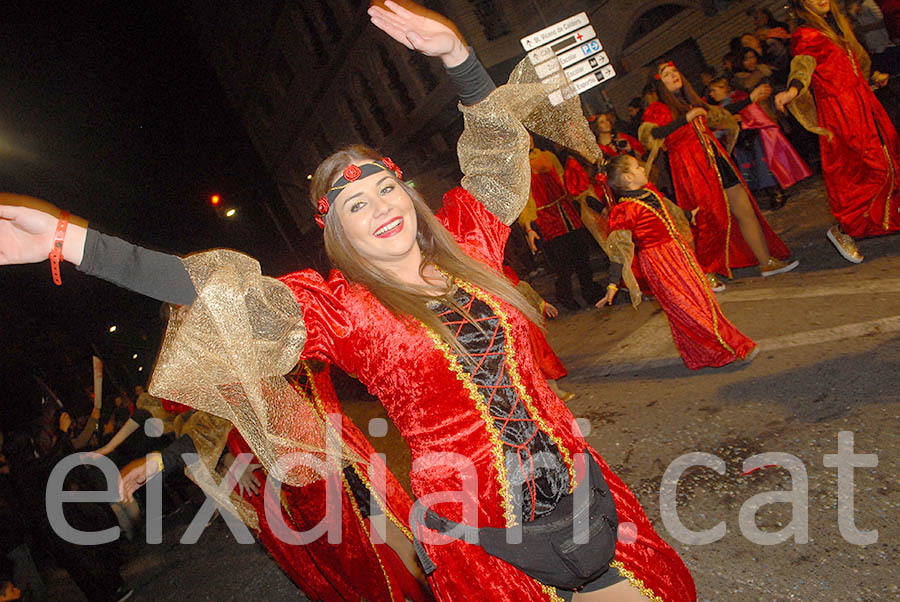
(110, 111)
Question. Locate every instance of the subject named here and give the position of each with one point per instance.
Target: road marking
(651, 345)
(889, 285)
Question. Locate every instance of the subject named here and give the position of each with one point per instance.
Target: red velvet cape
(719, 243)
(442, 415)
(702, 334)
(861, 163)
(356, 568)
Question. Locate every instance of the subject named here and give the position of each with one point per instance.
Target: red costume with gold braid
(555, 213)
(443, 413)
(698, 183)
(702, 334)
(356, 568)
(861, 162)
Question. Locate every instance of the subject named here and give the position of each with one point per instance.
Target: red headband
(662, 66)
(351, 174)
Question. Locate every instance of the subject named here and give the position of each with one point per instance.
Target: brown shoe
(776, 266)
(845, 244)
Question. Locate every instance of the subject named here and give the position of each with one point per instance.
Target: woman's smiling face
(378, 218)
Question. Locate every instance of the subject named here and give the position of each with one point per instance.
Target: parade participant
(551, 216)
(777, 165)
(859, 145)
(654, 231)
(419, 311)
(614, 143)
(730, 230)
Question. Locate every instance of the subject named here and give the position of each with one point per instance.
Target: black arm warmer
(664, 130)
(796, 83)
(157, 275)
(171, 454)
(471, 80)
(615, 273)
(737, 107)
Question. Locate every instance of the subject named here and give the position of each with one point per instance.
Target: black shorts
(610, 577)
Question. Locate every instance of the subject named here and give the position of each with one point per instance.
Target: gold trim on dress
(698, 272)
(497, 446)
(635, 582)
(512, 366)
(709, 146)
(359, 517)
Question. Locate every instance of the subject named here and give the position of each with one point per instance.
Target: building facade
(311, 76)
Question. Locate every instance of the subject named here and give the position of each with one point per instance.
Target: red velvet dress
(556, 214)
(443, 413)
(577, 182)
(692, 158)
(356, 568)
(861, 163)
(702, 334)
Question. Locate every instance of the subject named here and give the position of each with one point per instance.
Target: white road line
(630, 363)
(889, 285)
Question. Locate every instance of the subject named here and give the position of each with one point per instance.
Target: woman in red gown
(859, 145)
(647, 224)
(730, 232)
(421, 313)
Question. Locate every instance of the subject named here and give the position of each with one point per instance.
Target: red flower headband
(351, 174)
(662, 67)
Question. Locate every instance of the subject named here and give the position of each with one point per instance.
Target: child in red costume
(648, 221)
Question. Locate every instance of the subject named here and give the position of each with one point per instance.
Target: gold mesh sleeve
(598, 225)
(719, 119)
(532, 296)
(620, 249)
(226, 354)
(210, 434)
(681, 222)
(493, 149)
(803, 107)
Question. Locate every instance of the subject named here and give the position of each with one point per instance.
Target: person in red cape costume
(730, 232)
(648, 223)
(860, 147)
(419, 310)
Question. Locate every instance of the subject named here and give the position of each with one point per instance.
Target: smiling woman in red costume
(730, 230)
(860, 147)
(420, 311)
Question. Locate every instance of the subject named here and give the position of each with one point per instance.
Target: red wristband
(56, 254)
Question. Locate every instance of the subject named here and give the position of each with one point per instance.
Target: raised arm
(493, 150)
(28, 231)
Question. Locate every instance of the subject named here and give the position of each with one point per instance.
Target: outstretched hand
(421, 30)
(608, 298)
(27, 229)
(135, 475)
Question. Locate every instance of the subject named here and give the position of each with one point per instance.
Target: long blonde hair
(438, 247)
(846, 39)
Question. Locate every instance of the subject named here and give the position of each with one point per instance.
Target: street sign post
(570, 46)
